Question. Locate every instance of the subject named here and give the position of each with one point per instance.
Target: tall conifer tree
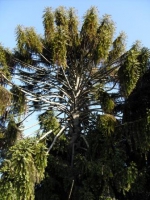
(79, 76)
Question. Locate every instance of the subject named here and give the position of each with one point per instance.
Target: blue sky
(130, 16)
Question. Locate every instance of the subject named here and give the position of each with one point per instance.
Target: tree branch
(45, 134)
(63, 128)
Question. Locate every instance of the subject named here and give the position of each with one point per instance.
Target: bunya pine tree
(81, 78)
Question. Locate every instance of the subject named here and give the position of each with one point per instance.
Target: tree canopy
(92, 94)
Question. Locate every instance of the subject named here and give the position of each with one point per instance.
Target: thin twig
(29, 127)
(86, 142)
(26, 117)
(71, 189)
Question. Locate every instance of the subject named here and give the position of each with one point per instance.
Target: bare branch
(45, 58)
(19, 123)
(71, 189)
(29, 127)
(44, 135)
(63, 128)
(86, 142)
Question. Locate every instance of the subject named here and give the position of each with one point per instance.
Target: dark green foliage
(109, 168)
(12, 133)
(24, 166)
(134, 65)
(6, 64)
(49, 122)
(107, 103)
(138, 102)
(18, 100)
(5, 99)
